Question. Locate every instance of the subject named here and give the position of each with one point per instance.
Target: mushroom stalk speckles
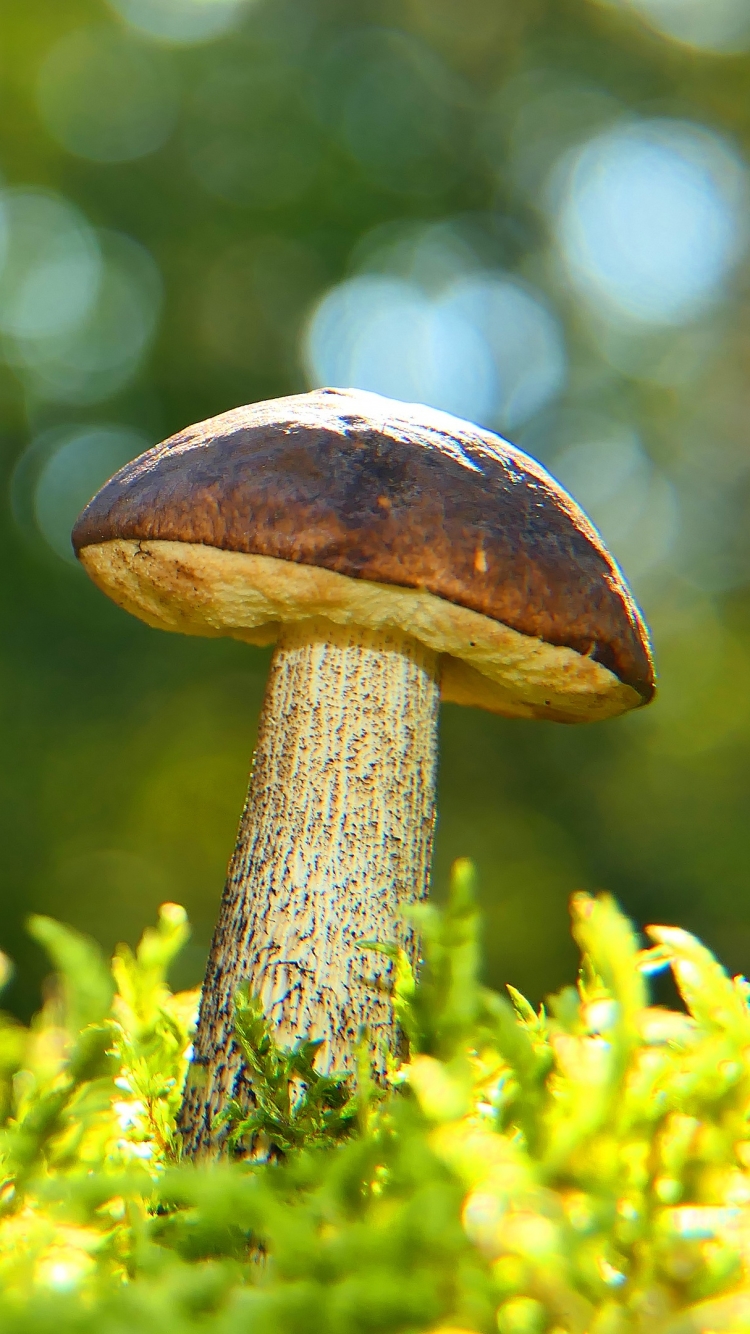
(333, 846)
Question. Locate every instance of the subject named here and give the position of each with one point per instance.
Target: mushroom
(393, 554)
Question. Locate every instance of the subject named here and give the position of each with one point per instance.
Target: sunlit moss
(580, 1171)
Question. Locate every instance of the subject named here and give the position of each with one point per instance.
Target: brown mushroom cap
(345, 504)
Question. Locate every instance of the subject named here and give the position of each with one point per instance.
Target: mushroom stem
(334, 843)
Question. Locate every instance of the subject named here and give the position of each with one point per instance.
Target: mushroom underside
(201, 590)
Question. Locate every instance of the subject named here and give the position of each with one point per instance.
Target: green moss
(584, 1170)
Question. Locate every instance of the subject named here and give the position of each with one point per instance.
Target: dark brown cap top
(393, 493)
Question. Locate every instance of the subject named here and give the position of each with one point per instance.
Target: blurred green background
(534, 215)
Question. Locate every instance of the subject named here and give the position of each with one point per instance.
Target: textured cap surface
(393, 493)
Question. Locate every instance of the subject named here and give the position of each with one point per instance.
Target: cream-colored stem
(334, 843)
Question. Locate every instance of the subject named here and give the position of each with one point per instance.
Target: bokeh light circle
(182, 22)
(483, 348)
(105, 96)
(384, 334)
(722, 26)
(524, 337)
(651, 219)
(59, 473)
(53, 265)
(102, 352)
